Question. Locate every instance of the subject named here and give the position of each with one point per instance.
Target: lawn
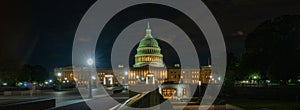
(270, 104)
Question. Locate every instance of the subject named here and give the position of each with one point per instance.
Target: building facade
(148, 69)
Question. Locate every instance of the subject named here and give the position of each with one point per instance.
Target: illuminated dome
(148, 52)
(148, 41)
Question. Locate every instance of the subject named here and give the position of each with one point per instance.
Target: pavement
(60, 96)
(72, 99)
(101, 102)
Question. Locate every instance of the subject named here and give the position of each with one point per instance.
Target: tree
(233, 72)
(8, 73)
(25, 73)
(11, 74)
(273, 48)
(34, 73)
(39, 73)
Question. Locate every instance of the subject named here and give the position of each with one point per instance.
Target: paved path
(73, 99)
(97, 102)
(62, 97)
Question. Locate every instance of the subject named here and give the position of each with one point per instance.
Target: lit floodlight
(93, 77)
(254, 77)
(90, 61)
(59, 74)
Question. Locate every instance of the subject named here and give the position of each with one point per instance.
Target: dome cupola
(148, 52)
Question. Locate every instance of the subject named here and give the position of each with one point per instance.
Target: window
(169, 92)
(184, 92)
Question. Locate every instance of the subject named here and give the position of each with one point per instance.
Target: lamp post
(90, 63)
(59, 76)
(199, 89)
(95, 80)
(126, 80)
(58, 87)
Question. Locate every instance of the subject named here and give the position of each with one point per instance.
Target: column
(104, 80)
(147, 80)
(153, 80)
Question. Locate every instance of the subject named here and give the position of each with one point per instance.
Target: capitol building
(148, 68)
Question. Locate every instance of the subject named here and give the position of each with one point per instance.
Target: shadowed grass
(270, 104)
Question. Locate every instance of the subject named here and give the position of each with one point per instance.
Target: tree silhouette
(273, 48)
(233, 72)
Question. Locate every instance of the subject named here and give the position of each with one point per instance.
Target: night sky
(42, 31)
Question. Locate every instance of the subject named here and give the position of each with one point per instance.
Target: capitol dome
(148, 52)
(148, 41)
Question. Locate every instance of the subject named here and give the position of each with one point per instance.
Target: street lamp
(126, 80)
(59, 74)
(199, 83)
(59, 80)
(90, 63)
(254, 77)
